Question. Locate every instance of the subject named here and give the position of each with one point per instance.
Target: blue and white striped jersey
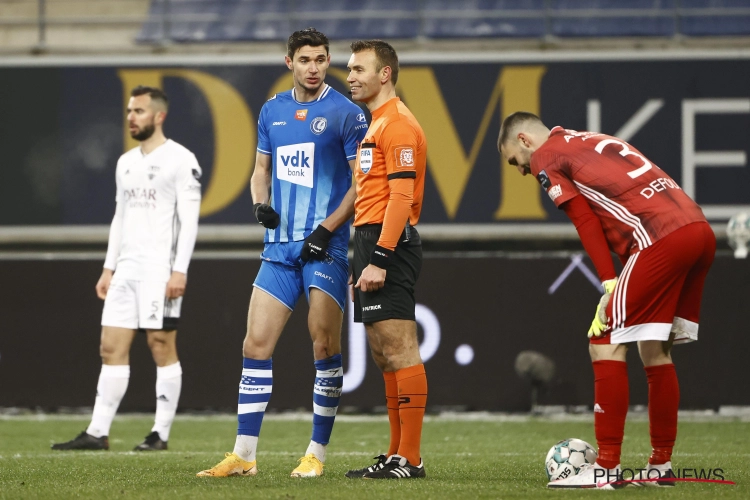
(310, 144)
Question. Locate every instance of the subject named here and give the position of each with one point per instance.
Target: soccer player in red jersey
(621, 202)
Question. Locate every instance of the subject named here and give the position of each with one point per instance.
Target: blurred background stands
(143, 25)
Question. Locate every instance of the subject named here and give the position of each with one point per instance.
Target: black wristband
(381, 257)
(255, 209)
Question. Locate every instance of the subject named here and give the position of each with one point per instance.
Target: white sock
(168, 386)
(113, 382)
(245, 446)
(317, 449)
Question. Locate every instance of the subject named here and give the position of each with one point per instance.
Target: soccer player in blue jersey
(303, 194)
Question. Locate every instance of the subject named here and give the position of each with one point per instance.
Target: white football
(565, 458)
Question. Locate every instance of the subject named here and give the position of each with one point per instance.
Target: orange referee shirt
(391, 163)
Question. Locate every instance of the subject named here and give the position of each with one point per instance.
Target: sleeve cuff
(381, 257)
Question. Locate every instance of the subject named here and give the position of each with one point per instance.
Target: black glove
(316, 244)
(266, 215)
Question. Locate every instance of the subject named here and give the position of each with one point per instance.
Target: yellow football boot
(309, 466)
(232, 465)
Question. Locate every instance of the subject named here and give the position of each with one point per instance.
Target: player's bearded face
(309, 67)
(141, 118)
(141, 133)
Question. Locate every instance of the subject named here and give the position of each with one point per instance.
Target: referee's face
(309, 67)
(365, 81)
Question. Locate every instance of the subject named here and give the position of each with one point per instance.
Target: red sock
(391, 402)
(412, 398)
(611, 399)
(663, 402)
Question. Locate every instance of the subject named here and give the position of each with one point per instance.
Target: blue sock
(255, 392)
(329, 379)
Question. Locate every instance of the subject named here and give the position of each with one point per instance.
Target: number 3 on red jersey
(625, 152)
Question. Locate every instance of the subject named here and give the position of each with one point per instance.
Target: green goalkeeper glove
(600, 318)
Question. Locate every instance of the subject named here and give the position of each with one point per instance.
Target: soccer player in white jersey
(303, 194)
(151, 241)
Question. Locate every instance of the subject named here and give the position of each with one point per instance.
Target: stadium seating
(262, 20)
(734, 21)
(258, 20)
(484, 18)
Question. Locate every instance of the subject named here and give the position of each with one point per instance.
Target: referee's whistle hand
(372, 279)
(176, 285)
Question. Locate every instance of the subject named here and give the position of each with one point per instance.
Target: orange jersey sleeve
(397, 211)
(390, 170)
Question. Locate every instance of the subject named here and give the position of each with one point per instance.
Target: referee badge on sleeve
(404, 157)
(365, 157)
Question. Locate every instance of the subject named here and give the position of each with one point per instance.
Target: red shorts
(659, 290)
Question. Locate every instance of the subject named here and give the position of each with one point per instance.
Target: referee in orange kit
(389, 173)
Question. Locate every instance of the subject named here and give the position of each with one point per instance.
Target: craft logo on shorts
(555, 192)
(301, 115)
(318, 125)
(405, 157)
(361, 118)
(324, 276)
(543, 179)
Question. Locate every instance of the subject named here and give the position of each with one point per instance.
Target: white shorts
(140, 304)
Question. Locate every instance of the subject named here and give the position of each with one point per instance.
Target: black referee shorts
(396, 299)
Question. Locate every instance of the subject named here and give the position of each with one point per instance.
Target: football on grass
(566, 458)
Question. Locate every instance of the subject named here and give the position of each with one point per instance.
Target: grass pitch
(465, 457)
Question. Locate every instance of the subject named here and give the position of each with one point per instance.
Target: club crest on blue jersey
(318, 125)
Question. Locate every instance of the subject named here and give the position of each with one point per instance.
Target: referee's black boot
(359, 473)
(397, 467)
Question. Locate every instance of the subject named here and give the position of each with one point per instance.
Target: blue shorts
(284, 276)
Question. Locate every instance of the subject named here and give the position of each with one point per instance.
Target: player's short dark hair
(155, 94)
(512, 121)
(306, 37)
(384, 53)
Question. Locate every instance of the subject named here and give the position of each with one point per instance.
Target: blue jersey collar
(326, 89)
